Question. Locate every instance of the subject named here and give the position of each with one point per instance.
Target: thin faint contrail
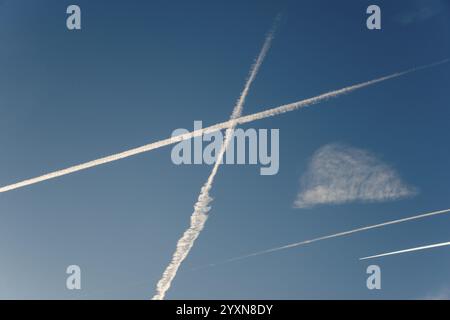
(223, 125)
(408, 250)
(201, 207)
(335, 235)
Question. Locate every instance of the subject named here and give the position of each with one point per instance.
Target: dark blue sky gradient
(139, 69)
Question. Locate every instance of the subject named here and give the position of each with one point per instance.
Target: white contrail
(201, 208)
(408, 250)
(340, 234)
(223, 125)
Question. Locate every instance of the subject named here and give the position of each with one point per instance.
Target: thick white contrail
(335, 235)
(201, 208)
(408, 250)
(223, 125)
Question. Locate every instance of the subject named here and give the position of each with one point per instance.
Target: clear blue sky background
(139, 69)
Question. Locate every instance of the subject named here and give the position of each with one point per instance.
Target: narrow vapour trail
(408, 250)
(220, 126)
(336, 235)
(201, 207)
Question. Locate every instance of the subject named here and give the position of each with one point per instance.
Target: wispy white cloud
(421, 11)
(338, 174)
(442, 294)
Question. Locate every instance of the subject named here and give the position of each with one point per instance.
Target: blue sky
(138, 70)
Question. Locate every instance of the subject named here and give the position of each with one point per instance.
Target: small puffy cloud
(338, 174)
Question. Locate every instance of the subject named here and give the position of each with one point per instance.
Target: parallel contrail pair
(201, 207)
(223, 125)
(436, 245)
(335, 235)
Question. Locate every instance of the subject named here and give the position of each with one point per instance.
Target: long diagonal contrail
(201, 207)
(223, 125)
(335, 235)
(408, 250)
